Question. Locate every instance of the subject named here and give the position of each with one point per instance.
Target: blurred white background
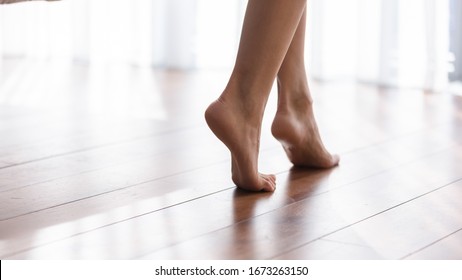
(386, 42)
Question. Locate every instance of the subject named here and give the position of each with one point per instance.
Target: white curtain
(387, 42)
(180, 34)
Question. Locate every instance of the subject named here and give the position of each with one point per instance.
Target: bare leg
(294, 125)
(236, 116)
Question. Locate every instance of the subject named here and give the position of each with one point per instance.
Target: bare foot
(228, 122)
(295, 127)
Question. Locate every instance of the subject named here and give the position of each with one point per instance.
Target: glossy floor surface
(114, 162)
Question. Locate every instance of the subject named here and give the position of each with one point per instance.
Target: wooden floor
(112, 162)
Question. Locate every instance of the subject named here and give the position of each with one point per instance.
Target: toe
(335, 159)
(269, 183)
(272, 178)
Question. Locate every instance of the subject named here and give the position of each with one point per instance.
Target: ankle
(245, 105)
(293, 96)
(294, 102)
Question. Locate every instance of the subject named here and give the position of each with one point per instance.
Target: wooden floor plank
(45, 170)
(408, 227)
(448, 248)
(25, 147)
(329, 250)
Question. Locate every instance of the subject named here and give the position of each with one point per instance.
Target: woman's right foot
(229, 122)
(295, 127)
